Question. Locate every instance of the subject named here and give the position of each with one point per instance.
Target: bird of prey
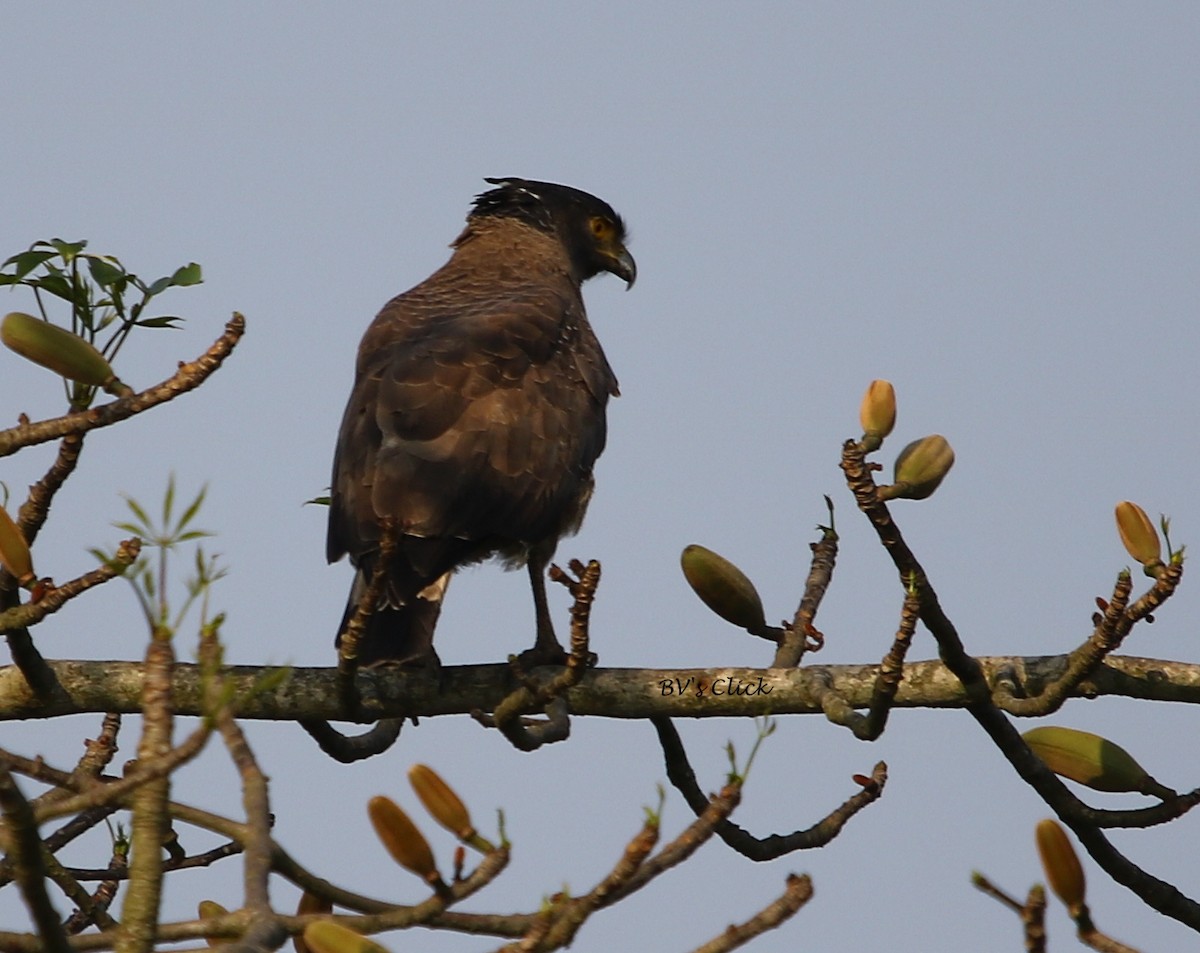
(477, 413)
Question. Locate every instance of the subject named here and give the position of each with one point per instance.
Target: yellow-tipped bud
(325, 936)
(210, 908)
(920, 468)
(1138, 534)
(1091, 760)
(877, 413)
(723, 587)
(309, 903)
(1061, 864)
(14, 551)
(400, 836)
(55, 348)
(443, 805)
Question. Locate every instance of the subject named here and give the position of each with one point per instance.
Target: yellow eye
(601, 227)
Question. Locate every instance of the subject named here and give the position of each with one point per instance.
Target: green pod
(1089, 759)
(325, 936)
(920, 469)
(723, 587)
(55, 348)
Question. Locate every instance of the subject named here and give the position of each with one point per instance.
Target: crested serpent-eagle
(477, 412)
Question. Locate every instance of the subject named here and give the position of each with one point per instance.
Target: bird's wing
(473, 419)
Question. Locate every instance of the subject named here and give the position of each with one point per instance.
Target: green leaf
(193, 509)
(26, 261)
(106, 271)
(137, 510)
(158, 287)
(168, 502)
(189, 274)
(67, 250)
(192, 534)
(57, 285)
(165, 321)
(318, 501)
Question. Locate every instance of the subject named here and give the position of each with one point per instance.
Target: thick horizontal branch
(101, 686)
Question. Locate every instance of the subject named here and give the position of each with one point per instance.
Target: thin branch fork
(189, 376)
(1158, 894)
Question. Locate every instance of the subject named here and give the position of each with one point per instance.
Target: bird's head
(593, 234)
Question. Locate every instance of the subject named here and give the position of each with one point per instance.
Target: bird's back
(478, 408)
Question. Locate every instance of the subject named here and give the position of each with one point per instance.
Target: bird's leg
(547, 650)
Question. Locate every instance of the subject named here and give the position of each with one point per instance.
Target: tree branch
(104, 686)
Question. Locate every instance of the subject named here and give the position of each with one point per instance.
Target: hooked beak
(623, 266)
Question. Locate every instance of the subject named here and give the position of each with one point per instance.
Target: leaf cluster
(102, 294)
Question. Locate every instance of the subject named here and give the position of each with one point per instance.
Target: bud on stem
(920, 469)
(723, 588)
(14, 551)
(58, 350)
(444, 805)
(877, 414)
(403, 840)
(1061, 864)
(1138, 535)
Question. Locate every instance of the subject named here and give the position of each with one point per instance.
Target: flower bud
(309, 903)
(877, 413)
(206, 909)
(920, 468)
(443, 805)
(55, 348)
(1061, 864)
(400, 836)
(325, 936)
(723, 587)
(1092, 760)
(1138, 534)
(14, 551)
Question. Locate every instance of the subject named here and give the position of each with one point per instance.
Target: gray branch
(308, 693)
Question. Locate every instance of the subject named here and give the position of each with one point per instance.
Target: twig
(681, 775)
(192, 861)
(188, 377)
(350, 748)
(31, 613)
(887, 682)
(529, 696)
(1160, 895)
(32, 514)
(799, 891)
(148, 828)
(114, 791)
(25, 848)
(801, 635)
(102, 898)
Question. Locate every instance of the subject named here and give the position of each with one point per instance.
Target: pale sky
(995, 207)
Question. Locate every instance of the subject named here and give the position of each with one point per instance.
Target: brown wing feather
(476, 417)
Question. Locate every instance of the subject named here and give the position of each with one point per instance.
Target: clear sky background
(997, 207)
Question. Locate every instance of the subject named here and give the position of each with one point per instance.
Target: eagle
(477, 414)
